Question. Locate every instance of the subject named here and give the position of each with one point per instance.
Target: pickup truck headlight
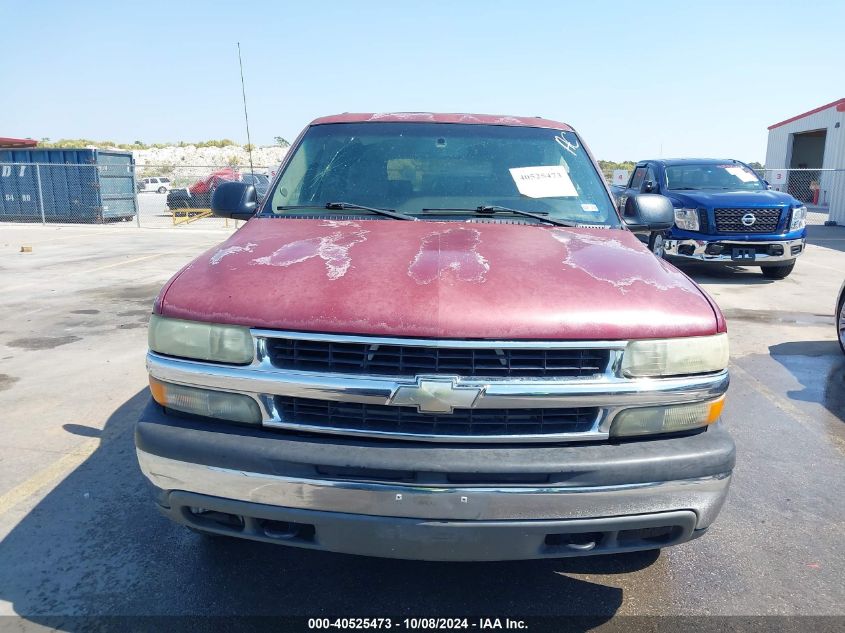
(201, 341)
(675, 356)
(669, 419)
(799, 218)
(208, 403)
(686, 219)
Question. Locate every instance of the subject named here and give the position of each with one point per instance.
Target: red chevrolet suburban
(437, 338)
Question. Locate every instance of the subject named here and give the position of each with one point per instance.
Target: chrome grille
(407, 420)
(395, 359)
(730, 220)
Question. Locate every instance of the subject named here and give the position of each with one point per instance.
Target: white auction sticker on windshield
(543, 182)
(743, 174)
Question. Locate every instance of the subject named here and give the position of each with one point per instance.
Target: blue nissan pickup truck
(724, 213)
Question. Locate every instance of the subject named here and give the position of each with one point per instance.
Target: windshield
(732, 176)
(409, 167)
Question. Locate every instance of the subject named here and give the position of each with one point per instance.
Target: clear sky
(638, 79)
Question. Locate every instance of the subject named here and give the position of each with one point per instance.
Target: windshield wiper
(348, 206)
(491, 209)
(683, 188)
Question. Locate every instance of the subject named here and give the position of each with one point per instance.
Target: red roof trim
(840, 107)
(17, 142)
(432, 117)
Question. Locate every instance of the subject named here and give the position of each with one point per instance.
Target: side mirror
(235, 200)
(649, 212)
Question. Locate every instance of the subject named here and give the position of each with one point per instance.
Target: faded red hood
(439, 279)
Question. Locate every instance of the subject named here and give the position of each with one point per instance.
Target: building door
(808, 155)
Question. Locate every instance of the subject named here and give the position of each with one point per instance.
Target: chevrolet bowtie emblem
(436, 395)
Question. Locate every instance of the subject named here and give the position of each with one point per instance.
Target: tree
(281, 141)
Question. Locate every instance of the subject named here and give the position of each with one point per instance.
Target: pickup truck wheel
(162, 190)
(657, 244)
(840, 323)
(778, 272)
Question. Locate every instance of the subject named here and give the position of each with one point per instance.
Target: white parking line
(60, 239)
(815, 265)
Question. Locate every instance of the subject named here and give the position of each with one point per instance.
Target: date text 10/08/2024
(417, 623)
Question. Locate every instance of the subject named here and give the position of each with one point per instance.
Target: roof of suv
(442, 117)
(692, 161)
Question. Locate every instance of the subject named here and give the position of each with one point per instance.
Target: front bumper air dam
(601, 498)
(695, 250)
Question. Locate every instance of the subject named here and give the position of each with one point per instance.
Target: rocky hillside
(176, 156)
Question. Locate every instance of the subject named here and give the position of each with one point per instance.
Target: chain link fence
(179, 196)
(821, 190)
(146, 195)
(78, 193)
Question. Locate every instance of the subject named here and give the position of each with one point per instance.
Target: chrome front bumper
(673, 249)
(703, 495)
(436, 522)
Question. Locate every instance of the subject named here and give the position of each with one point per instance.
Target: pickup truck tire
(657, 244)
(162, 190)
(840, 322)
(778, 272)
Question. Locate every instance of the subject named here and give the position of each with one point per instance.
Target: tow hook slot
(577, 541)
(286, 530)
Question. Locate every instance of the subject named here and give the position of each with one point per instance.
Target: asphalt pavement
(81, 537)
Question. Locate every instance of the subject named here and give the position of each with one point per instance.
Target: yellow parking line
(91, 270)
(53, 473)
(782, 403)
(115, 265)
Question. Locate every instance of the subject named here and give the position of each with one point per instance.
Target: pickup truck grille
(730, 220)
(407, 360)
(462, 422)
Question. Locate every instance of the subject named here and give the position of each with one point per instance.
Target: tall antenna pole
(246, 115)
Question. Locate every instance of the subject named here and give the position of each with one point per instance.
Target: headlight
(670, 419)
(202, 341)
(675, 356)
(686, 219)
(799, 218)
(206, 402)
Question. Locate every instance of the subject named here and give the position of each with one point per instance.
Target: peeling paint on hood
(332, 249)
(230, 250)
(449, 253)
(439, 279)
(589, 253)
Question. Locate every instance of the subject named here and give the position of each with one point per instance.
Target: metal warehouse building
(806, 157)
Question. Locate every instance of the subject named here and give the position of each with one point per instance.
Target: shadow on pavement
(820, 368)
(95, 545)
(723, 274)
(832, 237)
